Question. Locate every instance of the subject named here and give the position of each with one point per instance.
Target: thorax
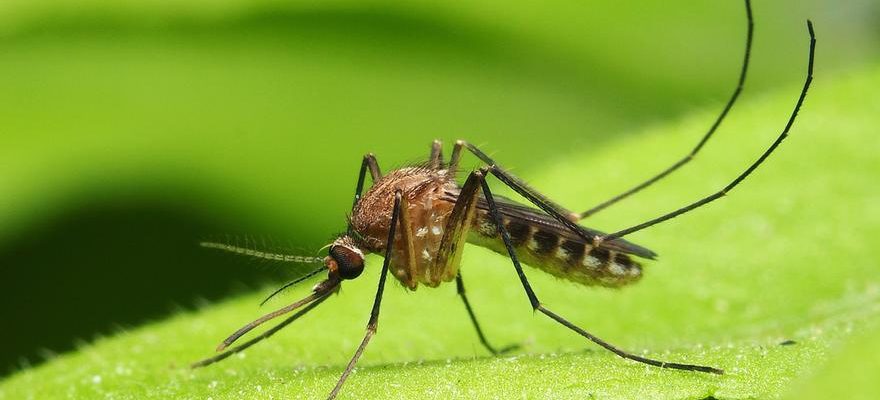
(429, 197)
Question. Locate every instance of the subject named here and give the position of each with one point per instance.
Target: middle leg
(448, 258)
(459, 283)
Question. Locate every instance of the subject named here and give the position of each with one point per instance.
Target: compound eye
(350, 263)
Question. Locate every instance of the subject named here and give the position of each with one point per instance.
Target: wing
(513, 209)
(457, 226)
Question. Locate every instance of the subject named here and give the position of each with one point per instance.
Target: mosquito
(420, 218)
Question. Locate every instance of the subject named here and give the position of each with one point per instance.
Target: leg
(435, 160)
(736, 181)
(373, 323)
(678, 164)
(556, 211)
(452, 244)
(536, 304)
(369, 163)
(456, 155)
(459, 283)
(559, 213)
(522, 188)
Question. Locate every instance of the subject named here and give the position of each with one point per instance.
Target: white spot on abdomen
(591, 262)
(616, 269)
(487, 228)
(561, 253)
(532, 245)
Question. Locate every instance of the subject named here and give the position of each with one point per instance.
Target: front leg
(369, 163)
(373, 322)
(435, 160)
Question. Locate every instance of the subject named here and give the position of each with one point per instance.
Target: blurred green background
(130, 130)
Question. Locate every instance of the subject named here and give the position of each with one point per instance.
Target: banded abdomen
(544, 243)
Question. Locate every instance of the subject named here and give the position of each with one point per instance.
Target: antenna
(265, 255)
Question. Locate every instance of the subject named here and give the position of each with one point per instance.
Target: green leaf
(789, 256)
(850, 373)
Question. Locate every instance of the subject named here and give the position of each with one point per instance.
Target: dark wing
(513, 209)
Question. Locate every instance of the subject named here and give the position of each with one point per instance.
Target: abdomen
(557, 252)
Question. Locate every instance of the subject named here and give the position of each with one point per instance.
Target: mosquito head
(346, 260)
